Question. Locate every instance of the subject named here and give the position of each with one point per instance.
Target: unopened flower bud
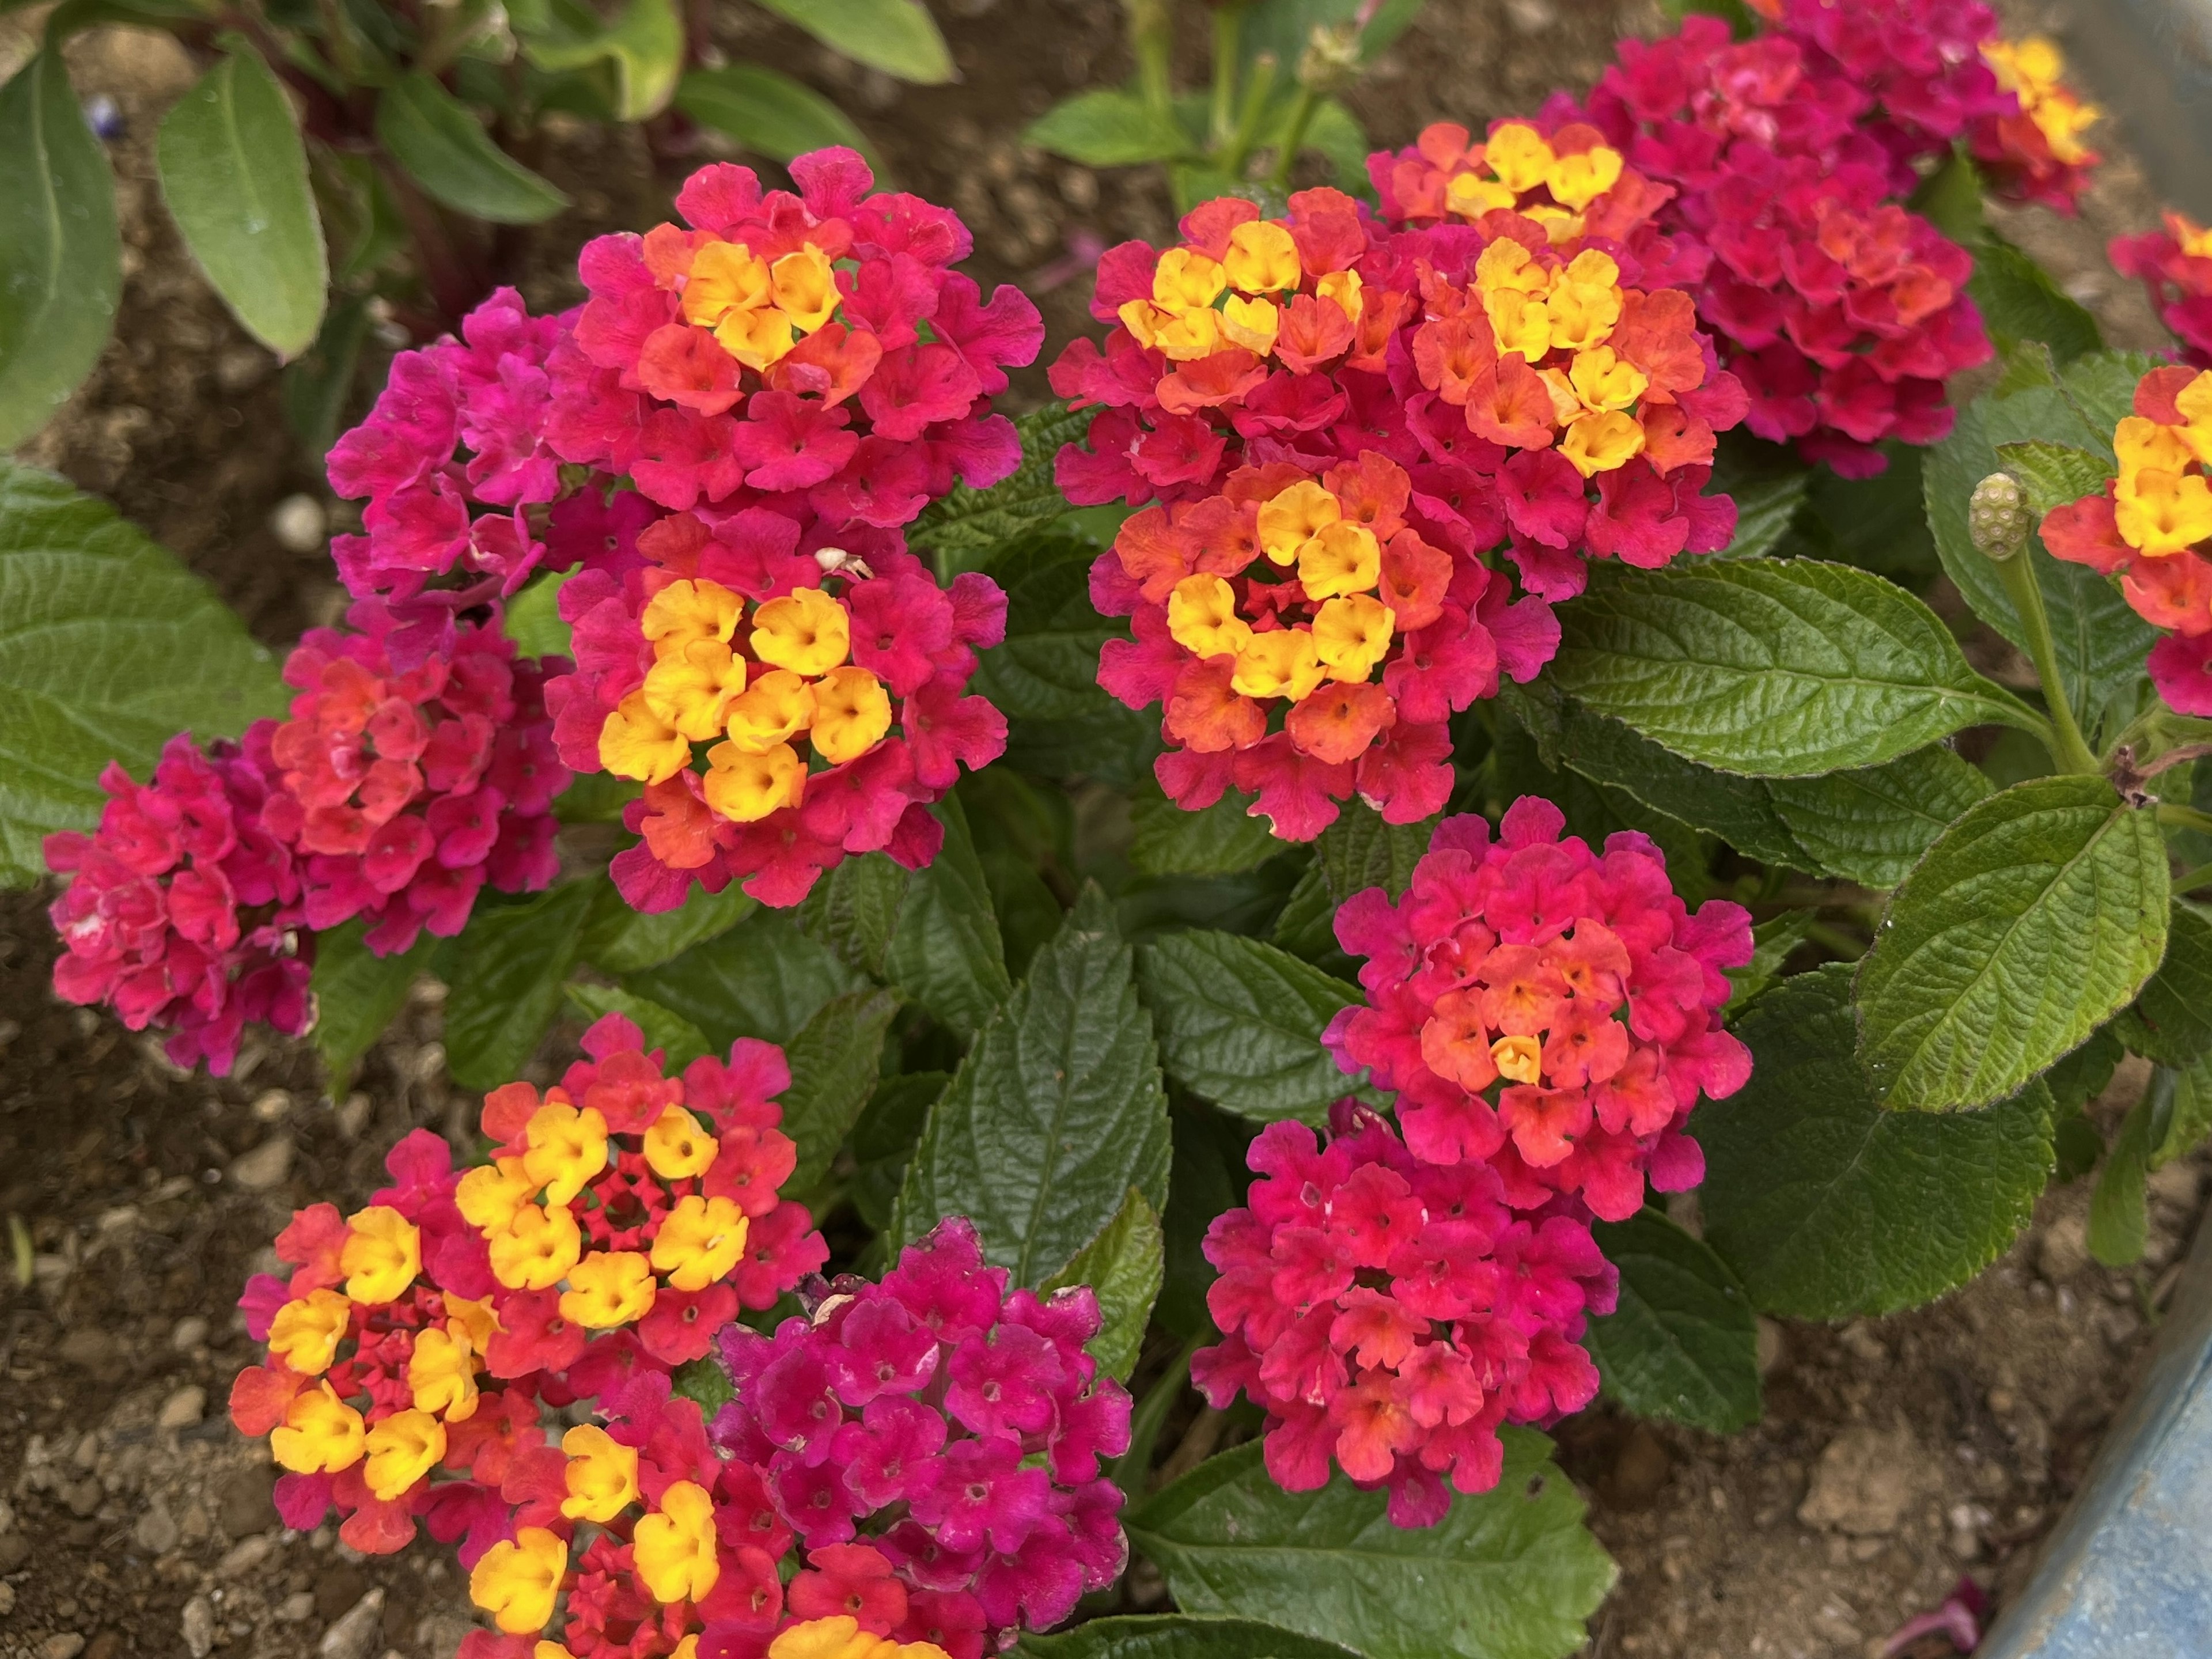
(1331, 60)
(1996, 517)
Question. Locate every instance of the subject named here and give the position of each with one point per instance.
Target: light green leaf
(1240, 1023)
(1107, 127)
(895, 36)
(60, 258)
(1054, 1114)
(644, 46)
(234, 175)
(533, 617)
(508, 977)
(1122, 1266)
(1683, 1344)
(1510, 1574)
(2172, 1019)
(946, 953)
(679, 1040)
(444, 149)
(2119, 1218)
(762, 978)
(1829, 1206)
(1177, 1636)
(834, 1059)
(108, 647)
(2054, 474)
(2191, 1119)
(621, 940)
(854, 909)
(1219, 840)
(357, 996)
(2032, 920)
(967, 526)
(768, 112)
(1778, 668)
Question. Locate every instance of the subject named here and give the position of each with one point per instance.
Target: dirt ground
(1895, 1455)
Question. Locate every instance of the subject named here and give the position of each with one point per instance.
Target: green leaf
(834, 1062)
(1307, 926)
(1359, 851)
(768, 112)
(508, 979)
(1122, 1266)
(2191, 1120)
(2082, 1076)
(234, 175)
(895, 36)
(945, 953)
(1240, 1023)
(1772, 942)
(1766, 508)
(854, 910)
(533, 617)
(357, 996)
(1107, 128)
(2019, 302)
(705, 1380)
(2119, 1219)
(621, 940)
(883, 1140)
(319, 383)
(61, 265)
(2032, 920)
(1219, 840)
(2054, 474)
(664, 1029)
(108, 647)
(1778, 668)
(763, 978)
(2172, 1019)
(1054, 1114)
(1950, 198)
(1285, 27)
(966, 527)
(644, 46)
(444, 149)
(1829, 1206)
(1177, 1636)
(1207, 1178)
(1878, 524)
(1683, 1344)
(1510, 1574)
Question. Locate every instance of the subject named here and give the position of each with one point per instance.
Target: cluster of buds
(2174, 264)
(2152, 527)
(416, 1344)
(1390, 1312)
(179, 910)
(1336, 423)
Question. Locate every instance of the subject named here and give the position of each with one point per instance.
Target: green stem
(2185, 817)
(1227, 30)
(1150, 1416)
(1294, 136)
(2071, 751)
(1248, 118)
(2188, 880)
(1151, 42)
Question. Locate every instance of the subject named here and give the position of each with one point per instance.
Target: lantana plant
(1149, 976)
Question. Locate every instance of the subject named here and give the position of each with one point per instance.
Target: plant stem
(2185, 817)
(1151, 42)
(2070, 752)
(1294, 135)
(1227, 30)
(1248, 118)
(1151, 1415)
(445, 271)
(2188, 880)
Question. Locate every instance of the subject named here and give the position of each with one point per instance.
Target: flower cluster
(1390, 1312)
(1373, 413)
(2152, 527)
(2174, 264)
(1550, 1010)
(402, 791)
(416, 1345)
(178, 910)
(2037, 155)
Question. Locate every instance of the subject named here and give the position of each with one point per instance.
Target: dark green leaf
(1683, 1344)
(1122, 1267)
(1219, 840)
(679, 1040)
(1307, 927)
(1511, 1574)
(1177, 1636)
(946, 953)
(763, 978)
(1765, 508)
(2172, 1019)
(1950, 198)
(770, 113)
(234, 175)
(507, 981)
(833, 1063)
(644, 46)
(2054, 474)
(2019, 302)
(108, 647)
(60, 258)
(1359, 851)
(1054, 1114)
(883, 1140)
(895, 36)
(357, 995)
(2032, 920)
(2119, 1219)
(318, 385)
(968, 525)
(2192, 1118)
(1829, 1206)
(1240, 1023)
(2082, 1076)
(1772, 942)
(621, 940)
(854, 910)
(705, 1380)
(1878, 524)
(445, 149)
(1779, 668)
(1208, 1177)
(1106, 128)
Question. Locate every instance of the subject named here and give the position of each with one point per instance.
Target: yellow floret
(402, 1448)
(805, 631)
(1599, 443)
(305, 1334)
(686, 611)
(745, 788)
(565, 1147)
(725, 277)
(677, 1148)
(518, 1582)
(699, 1241)
(382, 1253)
(1293, 516)
(852, 713)
(320, 1433)
(636, 743)
(1352, 635)
(1345, 558)
(1262, 258)
(805, 288)
(1202, 617)
(601, 1475)
(537, 1249)
(1280, 664)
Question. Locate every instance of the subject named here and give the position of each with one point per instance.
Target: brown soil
(1895, 1454)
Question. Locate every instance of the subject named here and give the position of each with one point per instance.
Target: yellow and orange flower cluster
(2034, 70)
(756, 308)
(1250, 300)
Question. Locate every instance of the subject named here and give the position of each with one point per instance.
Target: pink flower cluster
(1551, 1010)
(971, 1419)
(180, 909)
(2174, 265)
(1390, 1312)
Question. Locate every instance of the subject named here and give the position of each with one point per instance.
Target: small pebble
(245, 1555)
(190, 1332)
(82, 1498)
(156, 1532)
(199, 1627)
(63, 1644)
(299, 524)
(354, 1636)
(271, 1104)
(184, 1408)
(266, 1165)
(89, 1348)
(108, 1644)
(297, 1608)
(7, 1598)
(352, 1115)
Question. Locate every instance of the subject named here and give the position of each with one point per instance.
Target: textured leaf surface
(2051, 475)
(1240, 1023)
(626, 941)
(946, 953)
(2030, 922)
(1826, 1205)
(1178, 1636)
(968, 525)
(895, 36)
(2020, 302)
(1123, 1265)
(1684, 1343)
(108, 647)
(834, 1060)
(2192, 1115)
(1780, 668)
(60, 256)
(763, 978)
(2172, 1019)
(767, 113)
(508, 981)
(1219, 841)
(854, 909)
(234, 175)
(1359, 851)
(445, 149)
(357, 996)
(1510, 1574)
(1107, 127)
(679, 1041)
(1054, 1114)
(2119, 1216)
(644, 47)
